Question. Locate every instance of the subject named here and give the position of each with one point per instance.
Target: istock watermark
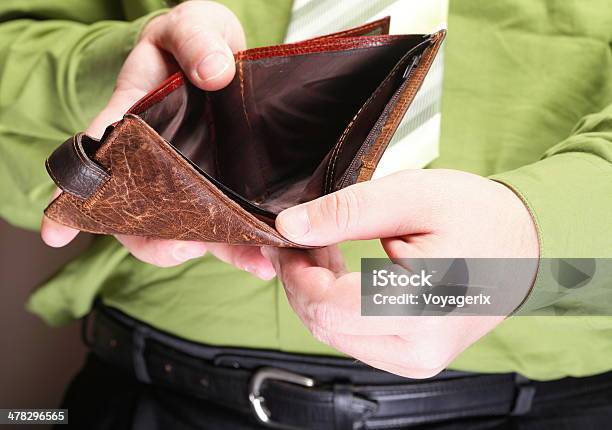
(383, 278)
(486, 286)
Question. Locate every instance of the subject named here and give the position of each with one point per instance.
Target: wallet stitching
(86, 212)
(322, 46)
(93, 199)
(346, 43)
(104, 148)
(331, 166)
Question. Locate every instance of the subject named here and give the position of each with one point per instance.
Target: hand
(200, 38)
(418, 214)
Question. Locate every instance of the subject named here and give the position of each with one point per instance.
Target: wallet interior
(270, 139)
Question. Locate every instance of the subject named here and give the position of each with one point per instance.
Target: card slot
(347, 152)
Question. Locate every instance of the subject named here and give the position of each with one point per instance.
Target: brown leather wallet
(297, 121)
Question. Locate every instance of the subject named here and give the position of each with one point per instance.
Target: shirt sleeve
(55, 75)
(569, 194)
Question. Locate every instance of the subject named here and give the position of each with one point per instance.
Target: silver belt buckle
(258, 402)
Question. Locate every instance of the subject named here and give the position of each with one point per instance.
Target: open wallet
(297, 121)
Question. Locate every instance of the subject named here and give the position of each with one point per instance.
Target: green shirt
(527, 98)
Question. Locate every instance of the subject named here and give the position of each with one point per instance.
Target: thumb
(202, 37)
(368, 210)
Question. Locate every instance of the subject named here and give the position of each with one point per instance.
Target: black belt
(292, 391)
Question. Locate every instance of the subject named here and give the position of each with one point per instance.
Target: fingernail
(212, 66)
(185, 252)
(294, 222)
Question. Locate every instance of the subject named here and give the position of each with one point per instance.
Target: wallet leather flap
(154, 192)
(72, 169)
(378, 27)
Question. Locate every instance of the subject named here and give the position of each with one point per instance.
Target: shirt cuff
(568, 195)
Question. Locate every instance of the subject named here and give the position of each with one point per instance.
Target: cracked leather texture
(217, 167)
(154, 192)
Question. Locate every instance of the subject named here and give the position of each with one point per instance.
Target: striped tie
(415, 143)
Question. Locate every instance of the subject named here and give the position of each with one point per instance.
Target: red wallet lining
(301, 48)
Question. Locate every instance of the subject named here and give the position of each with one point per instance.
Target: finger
(248, 258)
(161, 252)
(330, 258)
(368, 210)
(333, 304)
(339, 311)
(415, 247)
(426, 352)
(331, 314)
(297, 268)
(306, 283)
(55, 234)
(201, 36)
(289, 263)
(389, 353)
(324, 302)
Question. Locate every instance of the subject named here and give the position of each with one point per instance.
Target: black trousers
(104, 397)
